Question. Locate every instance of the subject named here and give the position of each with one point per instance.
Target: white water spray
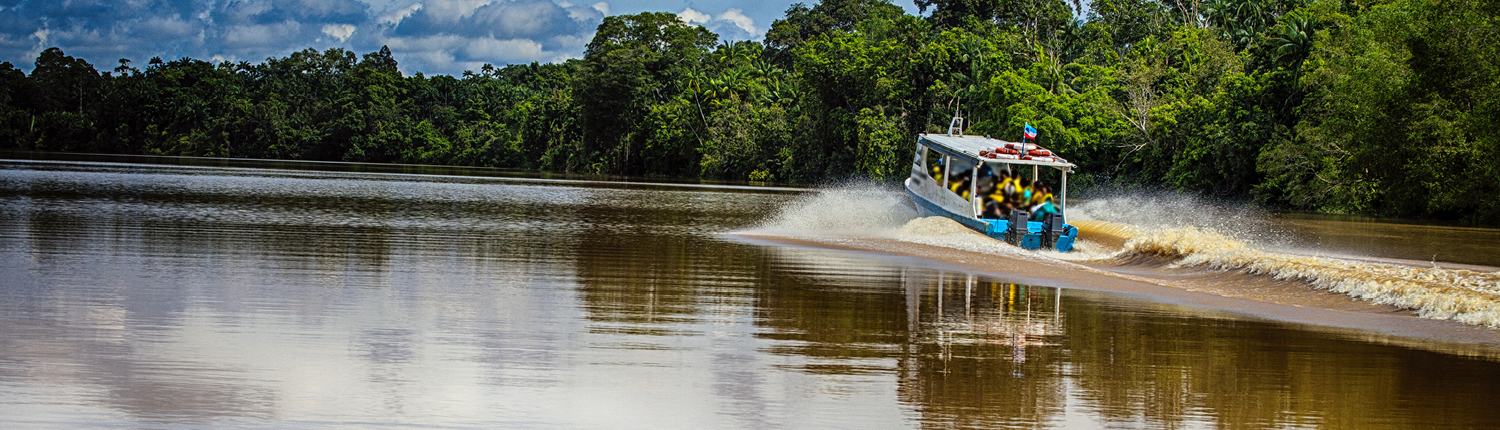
(856, 210)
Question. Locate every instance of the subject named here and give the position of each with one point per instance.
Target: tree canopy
(1387, 107)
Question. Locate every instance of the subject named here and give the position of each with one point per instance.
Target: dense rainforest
(1384, 107)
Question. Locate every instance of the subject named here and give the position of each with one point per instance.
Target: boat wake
(854, 210)
(1467, 296)
(1166, 239)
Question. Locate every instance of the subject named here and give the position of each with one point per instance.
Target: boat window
(934, 163)
(960, 173)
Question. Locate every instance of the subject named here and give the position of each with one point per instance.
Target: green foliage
(802, 24)
(881, 147)
(1388, 107)
(1403, 115)
(634, 74)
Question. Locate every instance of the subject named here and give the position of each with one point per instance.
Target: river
(181, 296)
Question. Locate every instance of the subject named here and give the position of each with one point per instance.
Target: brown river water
(180, 296)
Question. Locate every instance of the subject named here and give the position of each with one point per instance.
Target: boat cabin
(977, 181)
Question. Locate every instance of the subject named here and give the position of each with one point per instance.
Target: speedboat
(951, 171)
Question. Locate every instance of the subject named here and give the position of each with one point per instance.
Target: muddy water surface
(185, 297)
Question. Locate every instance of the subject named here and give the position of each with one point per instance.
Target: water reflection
(190, 297)
(977, 352)
(982, 353)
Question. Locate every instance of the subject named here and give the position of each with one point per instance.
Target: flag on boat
(1030, 132)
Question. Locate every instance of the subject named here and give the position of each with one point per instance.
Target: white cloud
(207, 15)
(435, 58)
(733, 24)
(396, 16)
(261, 36)
(691, 16)
(520, 18)
(41, 35)
(449, 36)
(453, 10)
(738, 18)
(452, 53)
(585, 14)
(511, 50)
(602, 7)
(338, 31)
(173, 27)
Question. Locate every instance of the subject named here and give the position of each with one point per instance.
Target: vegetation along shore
(1383, 107)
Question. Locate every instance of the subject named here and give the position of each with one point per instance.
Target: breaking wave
(1467, 296)
(1190, 232)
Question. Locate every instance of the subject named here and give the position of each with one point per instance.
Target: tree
(68, 86)
(635, 67)
(15, 123)
(1401, 118)
(374, 127)
(801, 24)
(1036, 21)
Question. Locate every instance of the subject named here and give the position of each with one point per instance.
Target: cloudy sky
(428, 36)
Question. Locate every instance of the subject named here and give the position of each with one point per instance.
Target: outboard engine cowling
(1017, 230)
(1053, 230)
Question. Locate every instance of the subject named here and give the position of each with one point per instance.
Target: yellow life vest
(1039, 198)
(997, 196)
(1007, 189)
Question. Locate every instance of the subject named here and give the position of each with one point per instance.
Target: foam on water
(869, 211)
(1132, 214)
(944, 232)
(1229, 237)
(855, 210)
(1467, 296)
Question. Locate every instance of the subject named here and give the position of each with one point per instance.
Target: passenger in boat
(986, 178)
(1041, 203)
(1012, 187)
(959, 183)
(997, 209)
(998, 199)
(1039, 193)
(1023, 191)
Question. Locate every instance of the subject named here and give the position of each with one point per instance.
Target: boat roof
(968, 146)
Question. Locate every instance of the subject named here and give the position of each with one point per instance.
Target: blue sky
(428, 36)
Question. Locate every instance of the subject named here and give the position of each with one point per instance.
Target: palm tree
(1241, 20)
(1293, 40)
